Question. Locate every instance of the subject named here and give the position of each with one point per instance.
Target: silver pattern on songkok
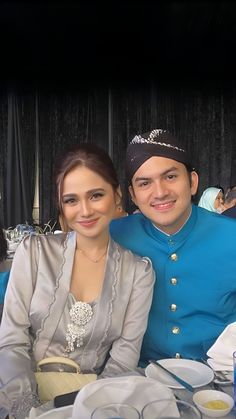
(138, 139)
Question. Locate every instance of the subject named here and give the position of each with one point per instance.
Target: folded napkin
(221, 352)
(60, 413)
(133, 390)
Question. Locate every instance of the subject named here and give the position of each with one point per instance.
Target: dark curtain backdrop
(17, 159)
(66, 118)
(3, 153)
(203, 114)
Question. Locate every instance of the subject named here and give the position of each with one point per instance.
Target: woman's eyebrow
(90, 191)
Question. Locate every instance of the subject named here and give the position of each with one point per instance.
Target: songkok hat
(157, 142)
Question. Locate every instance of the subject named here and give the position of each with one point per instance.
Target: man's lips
(163, 206)
(87, 223)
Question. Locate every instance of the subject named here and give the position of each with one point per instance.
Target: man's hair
(230, 196)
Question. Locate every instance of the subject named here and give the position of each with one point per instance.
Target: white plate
(193, 372)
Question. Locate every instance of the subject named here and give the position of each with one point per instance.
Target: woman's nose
(85, 209)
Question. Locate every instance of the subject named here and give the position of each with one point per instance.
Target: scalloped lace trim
(110, 311)
(55, 290)
(21, 407)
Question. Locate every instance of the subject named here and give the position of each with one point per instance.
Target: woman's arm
(17, 383)
(125, 351)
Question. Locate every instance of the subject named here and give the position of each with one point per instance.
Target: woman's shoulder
(44, 240)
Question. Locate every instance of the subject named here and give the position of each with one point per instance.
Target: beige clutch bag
(55, 383)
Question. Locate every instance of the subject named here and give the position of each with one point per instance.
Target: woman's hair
(3, 245)
(89, 156)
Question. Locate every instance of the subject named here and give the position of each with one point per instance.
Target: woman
(212, 199)
(58, 280)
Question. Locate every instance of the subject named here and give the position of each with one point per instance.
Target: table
(188, 397)
(181, 393)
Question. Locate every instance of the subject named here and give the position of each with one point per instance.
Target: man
(192, 250)
(230, 204)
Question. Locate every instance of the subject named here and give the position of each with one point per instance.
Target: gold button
(173, 281)
(175, 330)
(173, 307)
(177, 355)
(174, 257)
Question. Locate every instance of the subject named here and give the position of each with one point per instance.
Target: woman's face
(219, 201)
(88, 202)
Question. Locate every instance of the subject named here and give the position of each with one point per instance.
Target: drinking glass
(115, 411)
(170, 409)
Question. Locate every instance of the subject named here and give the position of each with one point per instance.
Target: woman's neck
(92, 244)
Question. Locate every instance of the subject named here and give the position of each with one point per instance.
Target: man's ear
(194, 182)
(131, 191)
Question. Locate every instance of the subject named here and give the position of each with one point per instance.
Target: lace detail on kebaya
(80, 314)
(22, 406)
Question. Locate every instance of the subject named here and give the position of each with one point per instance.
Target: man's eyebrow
(171, 169)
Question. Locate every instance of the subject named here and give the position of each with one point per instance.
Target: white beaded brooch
(80, 314)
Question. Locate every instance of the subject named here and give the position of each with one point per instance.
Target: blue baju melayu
(195, 292)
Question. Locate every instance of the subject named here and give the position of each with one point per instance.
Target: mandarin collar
(178, 237)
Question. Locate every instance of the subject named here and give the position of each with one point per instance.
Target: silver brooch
(80, 314)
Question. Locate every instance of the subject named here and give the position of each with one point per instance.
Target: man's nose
(159, 189)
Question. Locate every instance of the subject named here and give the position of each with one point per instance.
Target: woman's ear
(118, 196)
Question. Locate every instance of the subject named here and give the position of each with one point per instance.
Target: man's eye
(144, 183)
(171, 177)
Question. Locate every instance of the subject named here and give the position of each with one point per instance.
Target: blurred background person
(230, 204)
(212, 199)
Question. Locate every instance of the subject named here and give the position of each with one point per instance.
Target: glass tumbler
(115, 411)
(170, 409)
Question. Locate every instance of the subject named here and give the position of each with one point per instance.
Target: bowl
(213, 403)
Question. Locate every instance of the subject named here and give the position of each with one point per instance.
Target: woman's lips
(88, 223)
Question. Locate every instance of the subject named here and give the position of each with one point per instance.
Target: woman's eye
(69, 201)
(97, 195)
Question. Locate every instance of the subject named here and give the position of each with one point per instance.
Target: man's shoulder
(129, 222)
(213, 219)
(128, 230)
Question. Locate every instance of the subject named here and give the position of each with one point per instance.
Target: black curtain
(20, 160)
(66, 117)
(3, 153)
(201, 113)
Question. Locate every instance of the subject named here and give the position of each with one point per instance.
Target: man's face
(162, 189)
